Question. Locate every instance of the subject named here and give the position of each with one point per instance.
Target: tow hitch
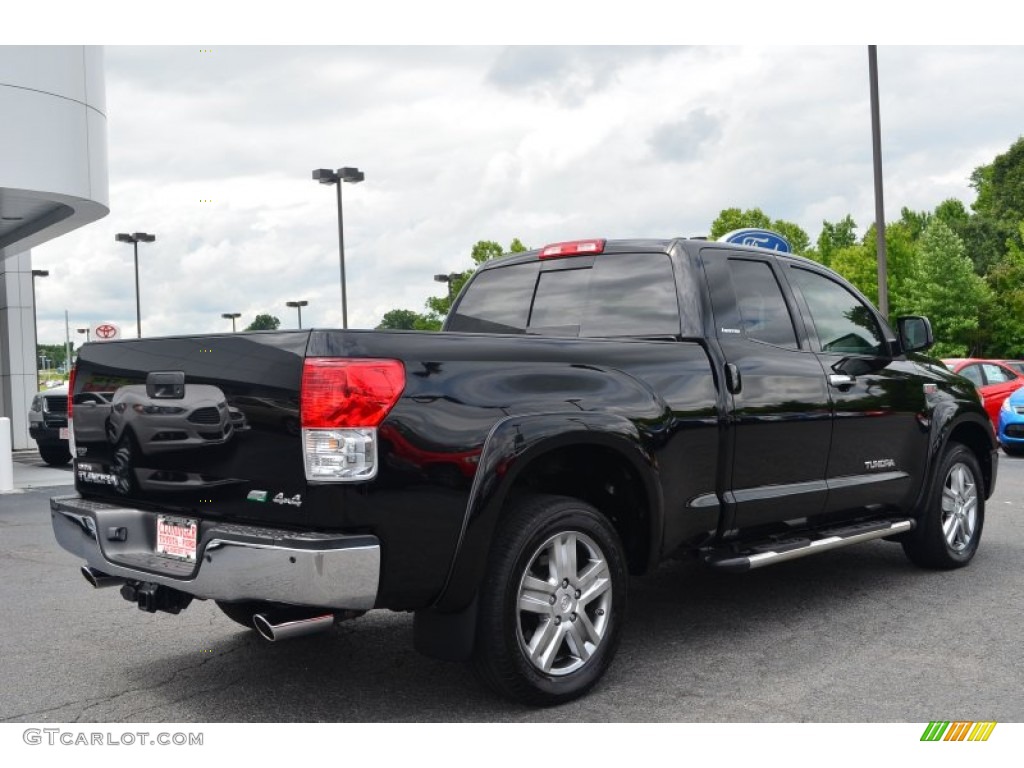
(153, 597)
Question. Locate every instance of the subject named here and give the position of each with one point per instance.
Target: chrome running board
(760, 554)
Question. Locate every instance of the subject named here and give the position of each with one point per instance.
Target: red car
(994, 380)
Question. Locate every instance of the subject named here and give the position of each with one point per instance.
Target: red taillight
(71, 389)
(573, 248)
(349, 393)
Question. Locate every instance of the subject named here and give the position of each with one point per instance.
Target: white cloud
(468, 143)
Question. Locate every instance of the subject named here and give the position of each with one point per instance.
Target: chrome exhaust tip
(99, 579)
(285, 628)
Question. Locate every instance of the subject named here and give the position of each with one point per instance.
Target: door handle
(733, 380)
(841, 380)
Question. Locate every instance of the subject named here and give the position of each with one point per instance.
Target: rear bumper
(233, 562)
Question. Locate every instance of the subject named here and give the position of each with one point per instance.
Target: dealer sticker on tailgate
(176, 537)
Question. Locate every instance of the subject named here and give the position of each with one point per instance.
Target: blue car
(1011, 424)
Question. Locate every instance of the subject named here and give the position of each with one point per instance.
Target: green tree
(399, 320)
(1000, 188)
(438, 307)
(999, 207)
(857, 264)
(913, 222)
(833, 237)
(953, 214)
(949, 292)
(55, 354)
(483, 250)
(901, 257)
(408, 320)
(264, 323)
(733, 218)
(1004, 319)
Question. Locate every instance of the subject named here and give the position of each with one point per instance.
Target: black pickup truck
(590, 409)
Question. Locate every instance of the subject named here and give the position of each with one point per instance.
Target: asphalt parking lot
(858, 635)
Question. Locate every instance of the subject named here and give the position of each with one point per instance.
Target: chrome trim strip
(343, 573)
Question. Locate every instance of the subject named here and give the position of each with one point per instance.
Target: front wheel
(55, 455)
(553, 603)
(949, 525)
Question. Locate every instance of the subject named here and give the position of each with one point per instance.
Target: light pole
(232, 316)
(135, 239)
(353, 176)
(298, 308)
(876, 155)
(449, 278)
(35, 328)
(86, 332)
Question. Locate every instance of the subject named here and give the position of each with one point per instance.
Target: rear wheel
(553, 604)
(949, 526)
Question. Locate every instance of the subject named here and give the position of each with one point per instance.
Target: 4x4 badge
(295, 501)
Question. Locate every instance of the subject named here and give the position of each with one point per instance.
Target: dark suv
(48, 425)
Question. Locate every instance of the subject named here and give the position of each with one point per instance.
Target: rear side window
(611, 295)
(497, 301)
(632, 295)
(763, 313)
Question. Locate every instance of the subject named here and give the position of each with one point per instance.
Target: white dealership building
(53, 179)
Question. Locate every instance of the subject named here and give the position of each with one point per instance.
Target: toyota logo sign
(106, 332)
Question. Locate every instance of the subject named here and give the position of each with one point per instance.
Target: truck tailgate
(227, 446)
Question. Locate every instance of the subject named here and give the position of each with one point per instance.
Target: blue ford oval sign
(759, 238)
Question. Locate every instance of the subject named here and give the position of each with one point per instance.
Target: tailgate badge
(256, 496)
(295, 501)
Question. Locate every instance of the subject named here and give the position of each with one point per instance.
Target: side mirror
(915, 333)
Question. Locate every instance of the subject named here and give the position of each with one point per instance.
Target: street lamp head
(40, 273)
(82, 330)
(302, 303)
(138, 237)
(325, 176)
(352, 175)
(443, 278)
(231, 315)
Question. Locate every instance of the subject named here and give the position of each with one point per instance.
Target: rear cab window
(612, 294)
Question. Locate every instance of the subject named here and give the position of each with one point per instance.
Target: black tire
(55, 455)
(950, 523)
(587, 595)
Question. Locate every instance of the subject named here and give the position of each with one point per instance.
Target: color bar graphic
(944, 730)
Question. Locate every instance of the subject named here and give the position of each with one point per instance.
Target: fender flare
(945, 420)
(512, 445)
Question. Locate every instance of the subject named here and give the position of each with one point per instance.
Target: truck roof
(638, 245)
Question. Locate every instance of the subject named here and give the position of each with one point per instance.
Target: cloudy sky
(213, 152)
